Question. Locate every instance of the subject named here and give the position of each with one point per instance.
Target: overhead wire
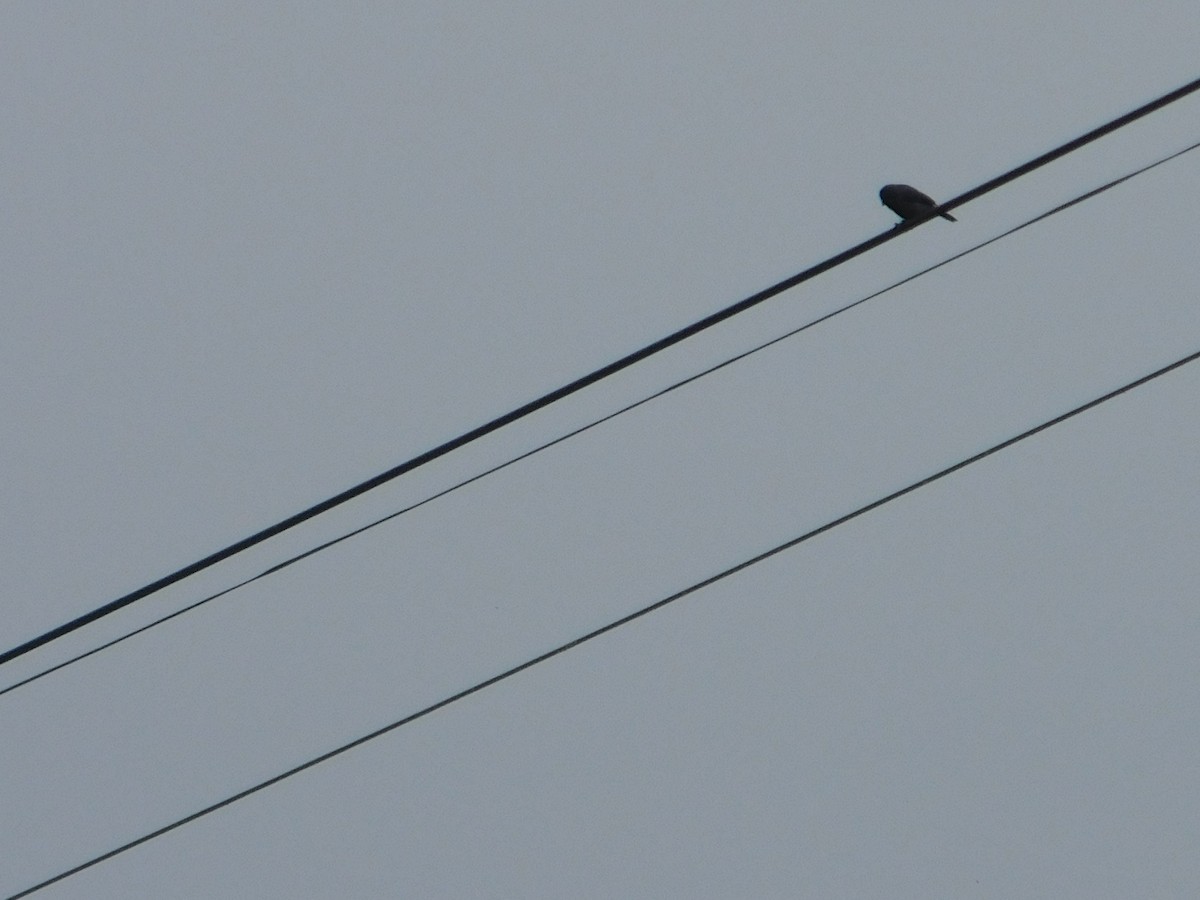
(586, 380)
(590, 425)
(624, 620)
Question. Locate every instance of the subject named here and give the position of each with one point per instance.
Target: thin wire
(591, 635)
(610, 416)
(591, 425)
(580, 383)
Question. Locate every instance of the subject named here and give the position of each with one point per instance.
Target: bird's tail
(946, 215)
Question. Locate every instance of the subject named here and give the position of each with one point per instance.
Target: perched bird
(909, 203)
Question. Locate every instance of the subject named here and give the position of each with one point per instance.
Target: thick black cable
(1069, 146)
(604, 629)
(606, 418)
(580, 383)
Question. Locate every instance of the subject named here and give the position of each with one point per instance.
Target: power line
(595, 422)
(625, 620)
(589, 379)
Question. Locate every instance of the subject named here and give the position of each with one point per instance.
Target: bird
(909, 203)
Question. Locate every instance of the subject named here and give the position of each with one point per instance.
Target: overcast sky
(255, 253)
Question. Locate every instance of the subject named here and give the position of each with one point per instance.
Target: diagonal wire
(610, 416)
(589, 379)
(646, 610)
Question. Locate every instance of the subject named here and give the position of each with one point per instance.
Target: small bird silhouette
(909, 203)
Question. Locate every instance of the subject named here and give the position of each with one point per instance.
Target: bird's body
(909, 203)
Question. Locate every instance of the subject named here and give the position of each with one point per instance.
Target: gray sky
(256, 253)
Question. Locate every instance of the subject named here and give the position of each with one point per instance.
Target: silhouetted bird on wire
(909, 203)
